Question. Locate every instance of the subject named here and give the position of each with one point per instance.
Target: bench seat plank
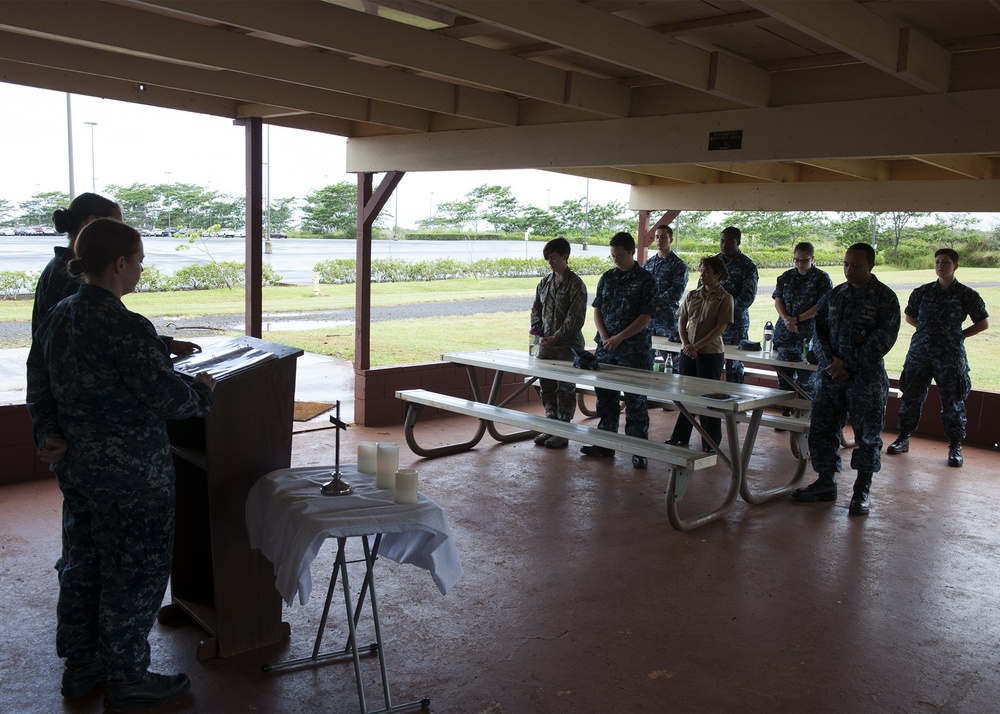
(674, 455)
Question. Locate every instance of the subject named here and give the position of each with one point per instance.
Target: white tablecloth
(288, 519)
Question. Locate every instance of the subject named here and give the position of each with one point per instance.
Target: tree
(772, 229)
(282, 210)
(137, 203)
(332, 209)
(6, 211)
(571, 215)
(897, 222)
(690, 227)
(540, 221)
(451, 214)
(857, 227)
(498, 206)
(38, 209)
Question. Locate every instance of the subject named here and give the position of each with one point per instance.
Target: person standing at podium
(100, 389)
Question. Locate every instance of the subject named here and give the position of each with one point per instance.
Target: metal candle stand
(337, 487)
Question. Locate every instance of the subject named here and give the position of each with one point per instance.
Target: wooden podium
(216, 579)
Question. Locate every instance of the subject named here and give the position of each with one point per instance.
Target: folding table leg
(353, 612)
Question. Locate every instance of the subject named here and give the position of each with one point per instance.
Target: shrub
(227, 274)
(14, 283)
(153, 280)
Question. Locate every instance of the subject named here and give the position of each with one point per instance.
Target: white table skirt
(288, 519)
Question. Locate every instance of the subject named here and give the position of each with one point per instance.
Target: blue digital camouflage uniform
(742, 285)
(671, 275)
(622, 296)
(937, 350)
(54, 284)
(859, 325)
(99, 378)
(799, 293)
(559, 311)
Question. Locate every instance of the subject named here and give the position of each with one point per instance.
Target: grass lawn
(422, 340)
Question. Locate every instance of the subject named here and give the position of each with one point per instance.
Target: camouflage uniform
(622, 296)
(799, 293)
(860, 326)
(937, 350)
(671, 275)
(100, 379)
(54, 284)
(742, 285)
(559, 311)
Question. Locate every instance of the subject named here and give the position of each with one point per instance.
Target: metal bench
(682, 462)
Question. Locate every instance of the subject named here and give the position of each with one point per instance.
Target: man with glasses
(795, 298)
(623, 306)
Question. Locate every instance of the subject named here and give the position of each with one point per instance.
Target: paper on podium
(223, 361)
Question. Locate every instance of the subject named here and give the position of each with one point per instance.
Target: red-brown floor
(578, 596)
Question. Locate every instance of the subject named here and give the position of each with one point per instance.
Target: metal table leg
(351, 649)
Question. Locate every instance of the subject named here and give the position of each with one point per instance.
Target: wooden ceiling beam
(129, 30)
(853, 28)
(943, 196)
(239, 87)
(924, 124)
(593, 33)
(339, 29)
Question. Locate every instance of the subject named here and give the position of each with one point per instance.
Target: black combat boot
(823, 488)
(861, 502)
(955, 453)
(901, 445)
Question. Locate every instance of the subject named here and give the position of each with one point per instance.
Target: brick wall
(375, 402)
(18, 461)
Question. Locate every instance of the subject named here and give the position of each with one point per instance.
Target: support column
(254, 222)
(369, 206)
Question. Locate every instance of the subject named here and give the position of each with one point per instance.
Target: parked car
(6, 231)
(168, 232)
(275, 236)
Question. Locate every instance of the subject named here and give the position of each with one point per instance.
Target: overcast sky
(134, 143)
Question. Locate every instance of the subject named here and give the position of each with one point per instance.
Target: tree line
(903, 238)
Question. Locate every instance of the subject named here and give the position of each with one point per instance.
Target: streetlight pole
(69, 144)
(93, 174)
(169, 201)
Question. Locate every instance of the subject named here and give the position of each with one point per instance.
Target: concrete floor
(579, 597)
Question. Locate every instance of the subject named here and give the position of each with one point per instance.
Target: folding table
(289, 519)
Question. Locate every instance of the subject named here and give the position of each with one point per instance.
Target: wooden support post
(254, 231)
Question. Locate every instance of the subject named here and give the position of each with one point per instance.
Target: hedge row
(393, 270)
(15, 283)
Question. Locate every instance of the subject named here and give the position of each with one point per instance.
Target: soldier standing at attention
(796, 297)
(742, 285)
(671, 275)
(557, 316)
(856, 325)
(623, 306)
(937, 350)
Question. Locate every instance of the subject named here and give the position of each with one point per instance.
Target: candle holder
(337, 487)
(387, 461)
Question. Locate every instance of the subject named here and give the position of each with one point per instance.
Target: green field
(420, 340)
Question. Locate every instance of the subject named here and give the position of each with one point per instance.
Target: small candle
(366, 456)
(406, 486)
(387, 462)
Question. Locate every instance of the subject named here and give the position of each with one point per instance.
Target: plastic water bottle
(768, 337)
(533, 337)
(658, 363)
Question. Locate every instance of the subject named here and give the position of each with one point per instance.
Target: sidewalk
(317, 379)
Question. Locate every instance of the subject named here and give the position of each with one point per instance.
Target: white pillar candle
(387, 462)
(366, 456)
(406, 486)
